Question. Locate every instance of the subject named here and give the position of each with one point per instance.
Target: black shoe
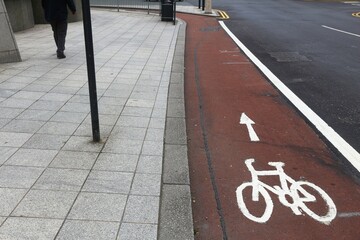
(60, 55)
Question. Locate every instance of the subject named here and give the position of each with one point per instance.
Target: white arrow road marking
(244, 119)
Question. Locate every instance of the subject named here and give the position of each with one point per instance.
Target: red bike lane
(221, 85)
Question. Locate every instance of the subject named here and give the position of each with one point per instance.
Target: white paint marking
(343, 147)
(350, 214)
(338, 30)
(244, 119)
(288, 187)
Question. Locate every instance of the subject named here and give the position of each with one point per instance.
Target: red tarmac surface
(221, 84)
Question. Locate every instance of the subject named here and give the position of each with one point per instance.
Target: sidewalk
(55, 183)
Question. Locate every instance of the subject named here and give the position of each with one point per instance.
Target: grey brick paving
(54, 181)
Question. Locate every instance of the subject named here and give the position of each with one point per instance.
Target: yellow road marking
(356, 14)
(223, 14)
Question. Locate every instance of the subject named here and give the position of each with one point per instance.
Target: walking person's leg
(54, 27)
(61, 36)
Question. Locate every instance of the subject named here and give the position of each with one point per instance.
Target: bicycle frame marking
(297, 204)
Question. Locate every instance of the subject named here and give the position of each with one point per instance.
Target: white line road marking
(336, 140)
(338, 30)
(349, 214)
(244, 119)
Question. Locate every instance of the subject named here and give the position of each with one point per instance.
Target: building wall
(9, 51)
(20, 13)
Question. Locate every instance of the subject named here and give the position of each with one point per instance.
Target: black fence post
(91, 70)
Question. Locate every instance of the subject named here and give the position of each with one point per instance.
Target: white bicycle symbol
(298, 201)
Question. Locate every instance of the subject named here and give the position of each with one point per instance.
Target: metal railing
(127, 4)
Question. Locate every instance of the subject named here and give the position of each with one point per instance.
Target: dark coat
(56, 10)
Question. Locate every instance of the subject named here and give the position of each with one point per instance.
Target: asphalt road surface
(268, 179)
(312, 47)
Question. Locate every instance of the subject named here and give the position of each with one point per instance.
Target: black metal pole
(91, 70)
(199, 4)
(203, 5)
(174, 10)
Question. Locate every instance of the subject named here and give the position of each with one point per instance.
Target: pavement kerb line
(182, 231)
(333, 137)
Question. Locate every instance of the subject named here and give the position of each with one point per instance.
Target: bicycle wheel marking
(288, 187)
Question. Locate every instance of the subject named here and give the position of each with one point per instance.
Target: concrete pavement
(55, 183)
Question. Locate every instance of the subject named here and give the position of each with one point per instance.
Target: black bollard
(91, 70)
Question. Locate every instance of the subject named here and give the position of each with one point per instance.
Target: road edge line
(333, 137)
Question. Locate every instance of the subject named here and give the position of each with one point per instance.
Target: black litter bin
(167, 10)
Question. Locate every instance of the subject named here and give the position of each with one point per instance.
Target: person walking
(56, 14)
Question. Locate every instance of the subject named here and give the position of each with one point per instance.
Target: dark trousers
(59, 28)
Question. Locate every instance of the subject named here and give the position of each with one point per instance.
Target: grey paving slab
(154, 134)
(56, 97)
(176, 214)
(83, 144)
(88, 230)
(112, 101)
(58, 128)
(18, 176)
(153, 148)
(157, 123)
(16, 103)
(142, 209)
(10, 112)
(125, 146)
(72, 117)
(2, 219)
(23, 126)
(137, 111)
(99, 207)
(62, 179)
(134, 133)
(40, 115)
(28, 95)
(158, 113)
(64, 90)
(135, 231)
(6, 152)
(85, 130)
(175, 131)
(46, 141)
(176, 108)
(76, 107)
(12, 86)
(176, 168)
(129, 121)
(146, 184)
(108, 182)
(108, 119)
(47, 105)
(45, 204)
(15, 228)
(149, 164)
(9, 198)
(110, 109)
(73, 159)
(146, 103)
(32, 157)
(34, 87)
(11, 139)
(116, 162)
(5, 93)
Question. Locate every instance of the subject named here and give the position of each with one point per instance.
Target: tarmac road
(220, 85)
(300, 43)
